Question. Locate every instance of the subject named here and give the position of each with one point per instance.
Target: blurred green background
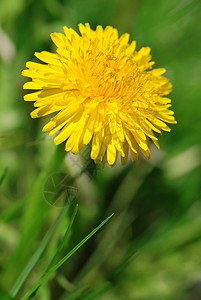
(151, 248)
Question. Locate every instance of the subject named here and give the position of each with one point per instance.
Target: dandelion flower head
(100, 89)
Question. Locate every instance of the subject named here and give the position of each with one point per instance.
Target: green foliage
(35, 257)
(151, 248)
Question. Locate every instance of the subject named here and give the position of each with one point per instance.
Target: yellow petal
(111, 154)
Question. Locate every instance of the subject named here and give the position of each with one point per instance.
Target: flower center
(109, 76)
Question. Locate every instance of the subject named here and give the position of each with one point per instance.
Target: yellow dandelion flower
(101, 89)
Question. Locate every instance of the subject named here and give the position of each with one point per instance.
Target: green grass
(151, 248)
(35, 257)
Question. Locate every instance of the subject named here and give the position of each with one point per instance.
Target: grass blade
(60, 248)
(64, 259)
(35, 257)
(3, 175)
(32, 220)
